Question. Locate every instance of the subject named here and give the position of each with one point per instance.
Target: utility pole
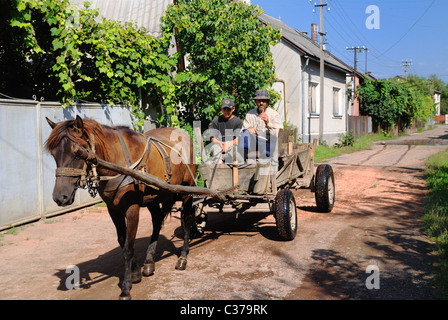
(366, 50)
(432, 97)
(355, 51)
(406, 64)
(322, 69)
(359, 49)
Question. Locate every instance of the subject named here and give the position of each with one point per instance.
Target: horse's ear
(51, 123)
(78, 126)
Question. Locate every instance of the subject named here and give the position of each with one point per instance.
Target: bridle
(88, 176)
(74, 172)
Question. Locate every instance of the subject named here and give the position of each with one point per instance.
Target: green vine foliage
(79, 56)
(104, 61)
(228, 51)
(390, 103)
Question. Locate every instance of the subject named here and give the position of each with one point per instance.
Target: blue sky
(414, 30)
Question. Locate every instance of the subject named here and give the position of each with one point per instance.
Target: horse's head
(70, 169)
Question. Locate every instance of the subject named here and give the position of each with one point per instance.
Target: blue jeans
(252, 142)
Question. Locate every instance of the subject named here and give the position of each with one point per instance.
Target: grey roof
(145, 13)
(304, 44)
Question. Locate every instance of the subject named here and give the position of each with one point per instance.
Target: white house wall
(288, 71)
(288, 63)
(334, 125)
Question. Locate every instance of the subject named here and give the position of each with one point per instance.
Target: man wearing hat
(260, 128)
(224, 133)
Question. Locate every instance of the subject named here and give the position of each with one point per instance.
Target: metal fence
(27, 172)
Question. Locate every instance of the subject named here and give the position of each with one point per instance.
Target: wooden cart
(254, 186)
(244, 187)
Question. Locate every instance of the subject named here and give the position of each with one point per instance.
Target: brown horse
(123, 195)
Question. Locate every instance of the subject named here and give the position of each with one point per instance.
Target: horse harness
(120, 180)
(89, 177)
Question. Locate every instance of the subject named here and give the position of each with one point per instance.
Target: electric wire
(413, 25)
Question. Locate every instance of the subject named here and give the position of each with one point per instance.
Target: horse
(152, 153)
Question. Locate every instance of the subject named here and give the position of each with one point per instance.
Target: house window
(313, 92)
(336, 102)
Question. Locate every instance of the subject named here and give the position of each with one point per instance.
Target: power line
(413, 25)
(355, 35)
(344, 21)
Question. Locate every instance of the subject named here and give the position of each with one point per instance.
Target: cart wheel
(286, 214)
(325, 190)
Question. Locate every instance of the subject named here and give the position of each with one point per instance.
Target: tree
(76, 57)
(67, 53)
(391, 103)
(439, 85)
(425, 86)
(19, 64)
(228, 50)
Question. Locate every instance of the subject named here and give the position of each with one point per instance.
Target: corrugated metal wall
(27, 172)
(144, 13)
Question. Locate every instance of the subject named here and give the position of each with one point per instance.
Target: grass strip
(435, 217)
(364, 142)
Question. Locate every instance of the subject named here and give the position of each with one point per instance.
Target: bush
(347, 140)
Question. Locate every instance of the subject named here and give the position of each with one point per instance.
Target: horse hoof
(136, 276)
(181, 264)
(124, 297)
(148, 269)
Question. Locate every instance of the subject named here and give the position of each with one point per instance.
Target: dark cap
(227, 103)
(261, 94)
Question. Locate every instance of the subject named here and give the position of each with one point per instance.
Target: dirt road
(376, 221)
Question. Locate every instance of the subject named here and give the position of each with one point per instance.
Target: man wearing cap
(261, 127)
(224, 133)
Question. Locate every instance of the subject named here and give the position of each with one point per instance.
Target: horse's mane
(93, 130)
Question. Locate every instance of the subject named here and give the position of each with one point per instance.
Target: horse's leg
(120, 224)
(187, 222)
(132, 273)
(157, 219)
